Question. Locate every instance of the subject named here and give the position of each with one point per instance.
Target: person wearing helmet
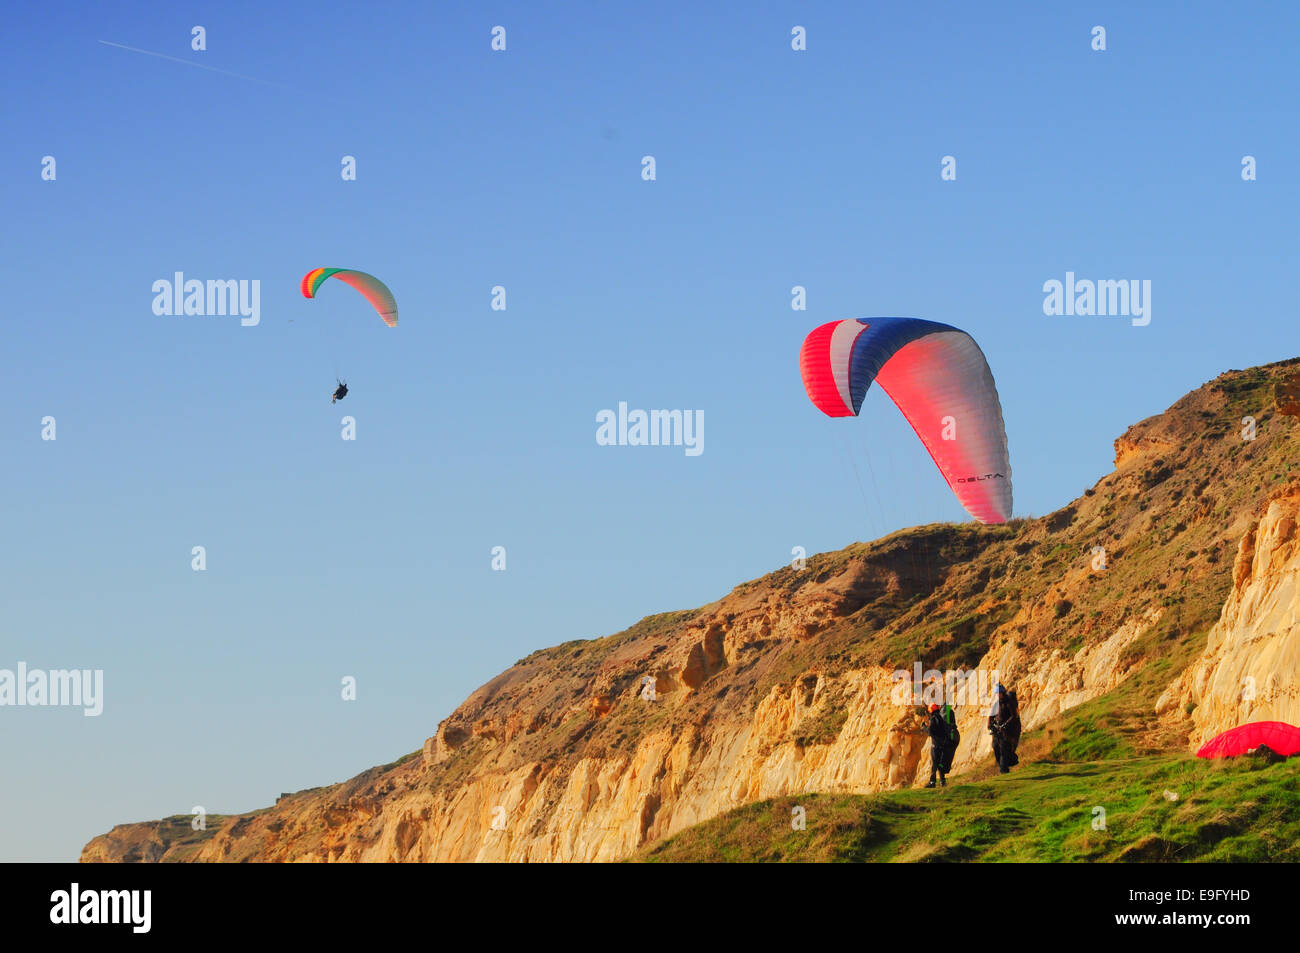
(943, 743)
(339, 392)
(1004, 726)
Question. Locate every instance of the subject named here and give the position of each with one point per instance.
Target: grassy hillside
(1242, 810)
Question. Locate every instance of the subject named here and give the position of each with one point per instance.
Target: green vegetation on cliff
(1241, 810)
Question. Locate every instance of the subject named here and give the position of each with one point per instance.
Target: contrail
(177, 59)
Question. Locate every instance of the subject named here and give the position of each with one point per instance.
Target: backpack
(940, 730)
(950, 717)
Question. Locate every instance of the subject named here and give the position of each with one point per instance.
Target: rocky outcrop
(1250, 670)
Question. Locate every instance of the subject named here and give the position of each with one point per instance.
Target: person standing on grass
(943, 743)
(1004, 725)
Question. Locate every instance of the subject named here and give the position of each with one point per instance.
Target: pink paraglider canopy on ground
(1278, 735)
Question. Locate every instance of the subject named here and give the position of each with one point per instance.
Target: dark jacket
(1005, 719)
(1004, 723)
(941, 733)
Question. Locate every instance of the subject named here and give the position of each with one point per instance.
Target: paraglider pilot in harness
(944, 738)
(339, 392)
(1004, 725)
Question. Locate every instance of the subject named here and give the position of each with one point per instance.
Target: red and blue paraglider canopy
(938, 377)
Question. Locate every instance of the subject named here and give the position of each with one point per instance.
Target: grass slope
(1240, 810)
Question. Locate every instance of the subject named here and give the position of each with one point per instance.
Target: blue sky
(476, 428)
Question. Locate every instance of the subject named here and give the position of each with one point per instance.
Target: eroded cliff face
(847, 732)
(1053, 682)
(1250, 670)
(788, 684)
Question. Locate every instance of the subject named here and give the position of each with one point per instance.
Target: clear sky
(476, 428)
